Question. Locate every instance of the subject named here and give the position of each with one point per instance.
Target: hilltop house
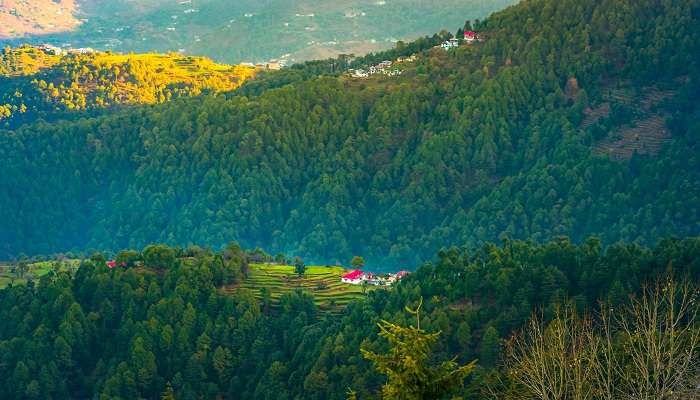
(82, 50)
(359, 73)
(354, 278)
(274, 65)
(383, 68)
(358, 277)
(470, 37)
(113, 264)
(50, 49)
(450, 44)
(402, 59)
(384, 64)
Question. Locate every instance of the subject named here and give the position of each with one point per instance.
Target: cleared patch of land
(645, 136)
(9, 273)
(646, 131)
(330, 294)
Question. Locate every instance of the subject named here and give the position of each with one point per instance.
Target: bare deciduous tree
(552, 361)
(660, 343)
(648, 350)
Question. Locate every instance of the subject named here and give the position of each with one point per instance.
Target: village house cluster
(272, 65)
(385, 67)
(469, 37)
(57, 51)
(358, 277)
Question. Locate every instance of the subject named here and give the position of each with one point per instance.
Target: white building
(470, 37)
(50, 49)
(355, 277)
(450, 44)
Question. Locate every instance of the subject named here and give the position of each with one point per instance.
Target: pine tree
(490, 347)
(299, 267)
(169, 393)
(357, 262)
(410, 376)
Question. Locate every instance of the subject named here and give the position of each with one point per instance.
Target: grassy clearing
(35, 272)
(323, 283)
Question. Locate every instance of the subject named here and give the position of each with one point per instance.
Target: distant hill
(38, 84)
(251, 30)
(21, 18)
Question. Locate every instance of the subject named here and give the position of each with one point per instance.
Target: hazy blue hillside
(564, 121)
(252, 30)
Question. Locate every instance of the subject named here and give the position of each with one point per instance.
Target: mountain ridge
(253, 31)
(38, 83)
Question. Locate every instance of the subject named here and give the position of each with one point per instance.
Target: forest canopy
(161, 323)
(570, 118)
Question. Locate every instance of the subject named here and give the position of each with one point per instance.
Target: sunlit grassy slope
(35, 84)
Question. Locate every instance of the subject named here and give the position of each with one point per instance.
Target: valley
(534, 175)
(246, 31)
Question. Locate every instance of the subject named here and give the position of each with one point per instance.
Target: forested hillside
(160, 326)
(523, 135)
(35, 84)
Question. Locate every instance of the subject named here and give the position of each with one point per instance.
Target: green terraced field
(322, 282)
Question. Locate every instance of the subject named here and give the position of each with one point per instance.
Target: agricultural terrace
(323, 282)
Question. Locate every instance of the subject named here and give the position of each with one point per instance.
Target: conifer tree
(410, 376)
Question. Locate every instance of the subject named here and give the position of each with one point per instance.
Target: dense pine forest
(160, 327)
(546, 179)
(570, 118)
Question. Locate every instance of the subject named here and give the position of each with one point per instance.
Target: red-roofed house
(401, 274)
(111, 264)
(470, 36)
(354, 278)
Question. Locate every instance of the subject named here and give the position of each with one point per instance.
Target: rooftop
(353, 275)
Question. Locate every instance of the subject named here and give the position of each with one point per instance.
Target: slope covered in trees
(35, 84)
(478, 143)
(161, 325)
